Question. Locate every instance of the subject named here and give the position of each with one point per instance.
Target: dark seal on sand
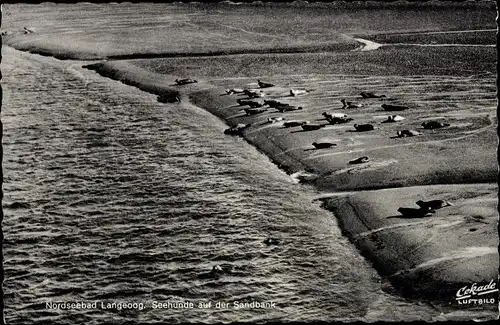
(371, 95)
(323, 145)
(185, 81)
(433, 204)
(364, 127)
(350, 104)
(237, 130)
(312, 127)
(390, 107)
(434, 125)
(359, 160)
(264, 84)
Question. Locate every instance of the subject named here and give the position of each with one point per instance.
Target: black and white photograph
(221, 162)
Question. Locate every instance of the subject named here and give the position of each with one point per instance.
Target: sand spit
(453, 247)
(367, 45)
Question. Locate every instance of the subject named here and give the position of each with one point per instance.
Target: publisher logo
(477, 294)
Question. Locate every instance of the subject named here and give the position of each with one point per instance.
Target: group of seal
(257, 107)
(427, 208)
(396, 118)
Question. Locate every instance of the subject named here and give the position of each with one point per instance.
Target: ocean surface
(112, 197)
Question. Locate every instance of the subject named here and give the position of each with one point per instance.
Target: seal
(287, 108)
(390, 107)
(217, 269)
(414, 213)
(371, 95)
(312, 127)
(359, 160)
(254, 111)
(323, 145)
(275, 119)
(291, 124)
(264, 84)
(296, 92)
(253, 93)
(273, 103)
(234, 91)
(339, 120)
(434, 125)
(237, 130)
(350, 104)
(433, 204)
(408, 133)
(28, 30)
(243, 102)
(251, 103)
(364, 127)
(185, 81)
(393, 118)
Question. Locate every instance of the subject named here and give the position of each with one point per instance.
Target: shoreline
(64, 55)
(353, 223)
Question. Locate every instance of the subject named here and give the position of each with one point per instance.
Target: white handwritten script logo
(475, 294)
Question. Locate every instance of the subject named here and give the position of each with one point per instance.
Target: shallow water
(111, 196)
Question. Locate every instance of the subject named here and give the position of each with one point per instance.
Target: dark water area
(112, 197)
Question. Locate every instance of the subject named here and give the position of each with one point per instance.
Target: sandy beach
(443, 73)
